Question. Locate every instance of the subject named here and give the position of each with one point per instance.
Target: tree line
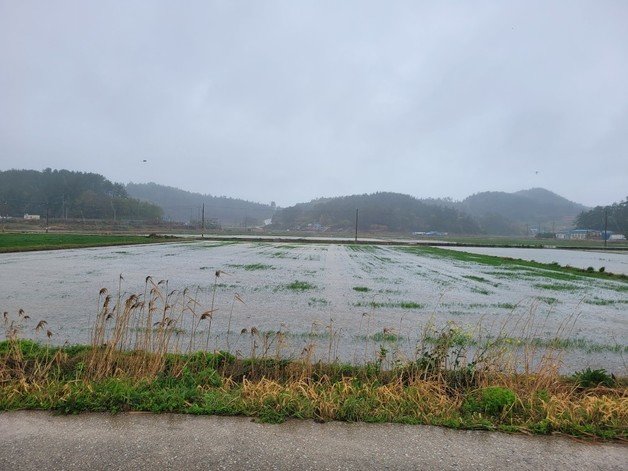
(385, 211)
(617, 214)
(64, 194)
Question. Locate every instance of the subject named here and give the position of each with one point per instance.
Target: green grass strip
(547, 270)
(11, 242)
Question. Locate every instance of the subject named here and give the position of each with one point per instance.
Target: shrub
(490, 401)
(592, 378)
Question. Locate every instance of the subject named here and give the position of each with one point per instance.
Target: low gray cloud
(288, 101)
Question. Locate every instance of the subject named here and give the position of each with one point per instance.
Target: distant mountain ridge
(490, 212)
(511, 213)
(393, 212)
(68, 194)
(185, 206)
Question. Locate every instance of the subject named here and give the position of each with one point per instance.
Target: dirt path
(38, 440)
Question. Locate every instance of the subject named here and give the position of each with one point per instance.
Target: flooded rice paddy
(349, 301)
(613, 262)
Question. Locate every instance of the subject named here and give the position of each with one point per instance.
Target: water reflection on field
(364, 296)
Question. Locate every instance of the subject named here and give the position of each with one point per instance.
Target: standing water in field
(350, 302)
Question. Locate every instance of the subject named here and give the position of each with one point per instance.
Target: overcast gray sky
(293, 100)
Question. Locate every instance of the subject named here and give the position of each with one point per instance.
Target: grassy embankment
(12, 242)
(550, 270)
(501, 241)
(129, 366)
(86, 378)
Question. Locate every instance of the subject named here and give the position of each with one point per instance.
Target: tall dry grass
(142, 336)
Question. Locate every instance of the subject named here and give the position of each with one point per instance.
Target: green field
(12, 242)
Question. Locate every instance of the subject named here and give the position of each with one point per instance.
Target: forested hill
(615, 216)
(185, 206)
(67, 194)
(392, 212)
(509, 213)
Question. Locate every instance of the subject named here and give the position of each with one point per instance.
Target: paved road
(39, 441)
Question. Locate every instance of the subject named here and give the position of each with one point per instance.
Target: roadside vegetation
(138, 361)
(591, 404)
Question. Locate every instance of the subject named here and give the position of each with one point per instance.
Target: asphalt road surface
(41, 441)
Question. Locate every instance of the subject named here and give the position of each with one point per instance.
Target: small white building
(32, 217)
(585, 234)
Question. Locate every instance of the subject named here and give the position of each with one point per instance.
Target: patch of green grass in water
(547, 300)
(253, 266)
(299, 286)
(309, 335)
(389, 291)
(402, 304)
(506, 306)
(280, 254)
(483, 291)
(361, 289)
(411, 305)
(584, 345)
(362, 248)
(556, 287)
(578, 344)
(385, 337)
(219, 285)
(175, 330)
(317, 302)
(605, 302)
(479, 279)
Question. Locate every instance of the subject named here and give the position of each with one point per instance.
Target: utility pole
(356, 226)
(47, 218)
(203, 222)
(605, 226)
